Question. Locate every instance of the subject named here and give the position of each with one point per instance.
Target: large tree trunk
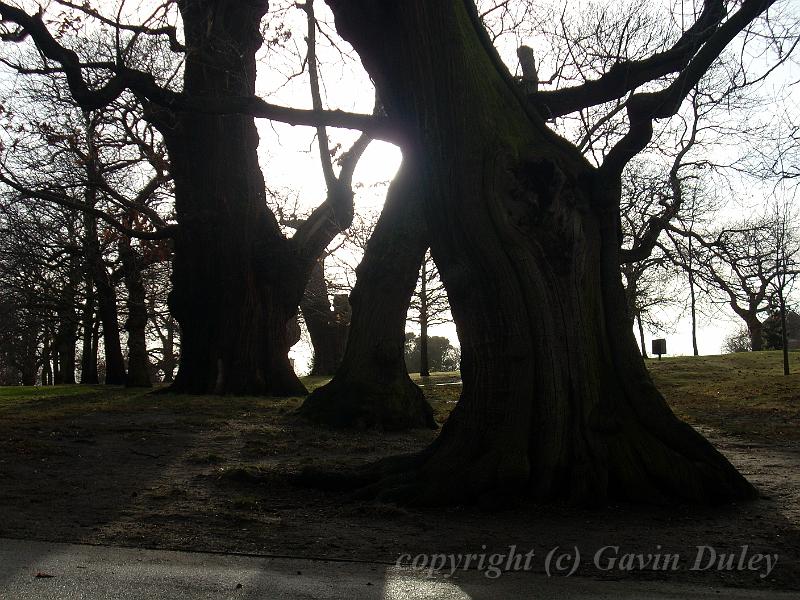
(372, 387)
(136, 324)
(235, 283)
(327, 326)
(556, 399)
(755, 329)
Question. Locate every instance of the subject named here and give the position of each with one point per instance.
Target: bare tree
(429, 306)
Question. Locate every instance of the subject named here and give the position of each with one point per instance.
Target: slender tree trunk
(556, 399)
(327, 327)
(56, 363)
(641, 335)
(89, 349)
(236, 283)
(47, 373)
(96, 348)
(372, 387)
(424, 369)
(784, 333)
(693, 300)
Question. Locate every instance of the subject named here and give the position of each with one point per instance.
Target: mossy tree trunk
(556, 399)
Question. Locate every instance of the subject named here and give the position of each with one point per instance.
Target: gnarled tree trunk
(235, 282)
(556, 399)
(372, 387)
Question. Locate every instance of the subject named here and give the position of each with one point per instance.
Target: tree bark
(236, 284)
(327, 326)
(372, 387)
(556, 399)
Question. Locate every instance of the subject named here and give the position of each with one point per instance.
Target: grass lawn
(744, 394)
(738, 394)
(11, 394)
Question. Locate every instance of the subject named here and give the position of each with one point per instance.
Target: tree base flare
(630, 465)
(357, 405)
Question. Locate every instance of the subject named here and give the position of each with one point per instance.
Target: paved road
(68, 572)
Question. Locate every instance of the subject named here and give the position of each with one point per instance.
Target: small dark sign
(659, 347)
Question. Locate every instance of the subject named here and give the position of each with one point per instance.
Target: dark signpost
(659, 347)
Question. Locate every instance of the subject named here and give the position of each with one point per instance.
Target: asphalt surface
(45, 571)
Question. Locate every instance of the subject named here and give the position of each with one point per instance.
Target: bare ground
(136, 469)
